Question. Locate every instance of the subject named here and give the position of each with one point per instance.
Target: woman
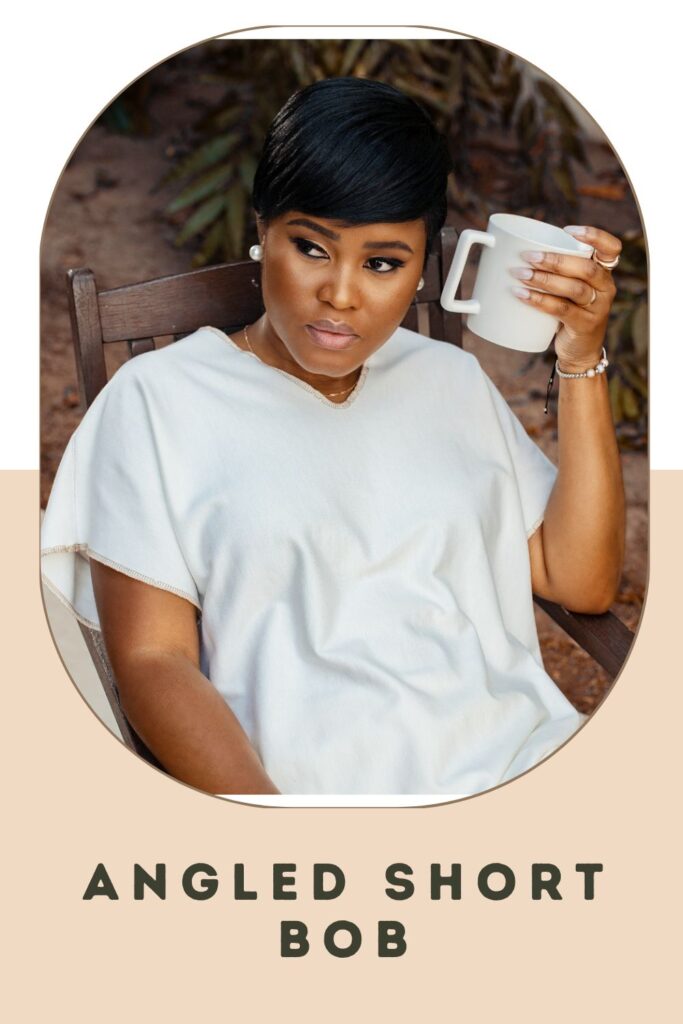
(353, 507)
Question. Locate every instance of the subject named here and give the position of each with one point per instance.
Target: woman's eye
(310, 248)
(378, 264)
(384, 265)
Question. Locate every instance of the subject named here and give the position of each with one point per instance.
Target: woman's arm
(153, 645)
(577, 553)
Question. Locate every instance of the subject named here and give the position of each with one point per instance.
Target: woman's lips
(330, 339)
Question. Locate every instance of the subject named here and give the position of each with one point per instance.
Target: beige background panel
(77, 797)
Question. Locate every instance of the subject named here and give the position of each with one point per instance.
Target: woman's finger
(571, 313)
(580, 292)
(606, 246)
(572, 267)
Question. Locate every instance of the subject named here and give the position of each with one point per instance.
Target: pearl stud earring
(420, 284)
(256, 253)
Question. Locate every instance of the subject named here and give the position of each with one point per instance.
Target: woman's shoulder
(169, 366)
(151, 390)
(154, 396)
(202, 344)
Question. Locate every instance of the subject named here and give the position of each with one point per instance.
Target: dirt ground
(106, 215)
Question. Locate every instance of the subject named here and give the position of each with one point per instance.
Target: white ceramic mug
(494, 312)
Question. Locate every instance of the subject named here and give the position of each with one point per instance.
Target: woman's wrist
(582, 365)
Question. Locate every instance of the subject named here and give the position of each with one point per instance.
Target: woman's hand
(568, 284)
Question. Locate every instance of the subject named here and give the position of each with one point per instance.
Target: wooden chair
(229, 296)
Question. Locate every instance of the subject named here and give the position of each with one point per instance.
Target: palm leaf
(555, 101)
(299, 64)
(351, 55)
(247, 170)
(235, 217)
(210, 245)
(372, 57)
(572, 146)
(201, 188)
(565, 182)
(203, 157)
(203, 216)
(615, 399)
(629, 403)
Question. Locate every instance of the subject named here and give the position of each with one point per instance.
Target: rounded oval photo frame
(162, 181)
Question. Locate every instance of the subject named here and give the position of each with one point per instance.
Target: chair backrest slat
(136, 348)
(86, 331)
(410, 319)
(228, 294)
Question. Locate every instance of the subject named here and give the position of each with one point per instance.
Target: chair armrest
(604, 637)
(98, 653)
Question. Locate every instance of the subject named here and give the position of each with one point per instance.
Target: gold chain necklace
(334, 394)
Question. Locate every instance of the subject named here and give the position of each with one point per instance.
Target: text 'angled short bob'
(354, 150)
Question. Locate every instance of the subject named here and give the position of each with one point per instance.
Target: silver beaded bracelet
(594, 371)
(600, 368)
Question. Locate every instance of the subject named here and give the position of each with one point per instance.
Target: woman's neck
(261, 339)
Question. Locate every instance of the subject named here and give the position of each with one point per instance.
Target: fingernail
(575, 229)
(523, 293)
(532, 257)
(522, 272)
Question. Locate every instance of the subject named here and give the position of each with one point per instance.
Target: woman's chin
(326, 363)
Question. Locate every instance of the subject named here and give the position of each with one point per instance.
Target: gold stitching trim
(85, 550)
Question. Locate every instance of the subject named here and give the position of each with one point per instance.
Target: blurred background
(160, 184)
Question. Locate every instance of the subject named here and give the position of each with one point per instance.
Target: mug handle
(466, 240)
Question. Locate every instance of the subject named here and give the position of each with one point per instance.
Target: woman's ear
(260, 229)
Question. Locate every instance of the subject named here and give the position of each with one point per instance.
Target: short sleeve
(534, 473)
(111, 501)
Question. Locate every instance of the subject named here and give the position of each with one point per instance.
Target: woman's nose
(340, 290)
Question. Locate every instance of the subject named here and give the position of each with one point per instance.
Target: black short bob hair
(357, 151)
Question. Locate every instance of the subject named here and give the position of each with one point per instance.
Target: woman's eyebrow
(387, 245)
(303, 222)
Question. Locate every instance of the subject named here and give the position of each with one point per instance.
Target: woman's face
(333, 295)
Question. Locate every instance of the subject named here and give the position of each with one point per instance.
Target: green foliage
(514, 143)
(475, 93)
(627, 342)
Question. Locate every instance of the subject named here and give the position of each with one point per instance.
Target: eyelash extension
(303, 244)
(393, 262)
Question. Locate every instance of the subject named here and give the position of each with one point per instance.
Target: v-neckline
(297, 380)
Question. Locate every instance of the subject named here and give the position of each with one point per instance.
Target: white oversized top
(362, 568)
